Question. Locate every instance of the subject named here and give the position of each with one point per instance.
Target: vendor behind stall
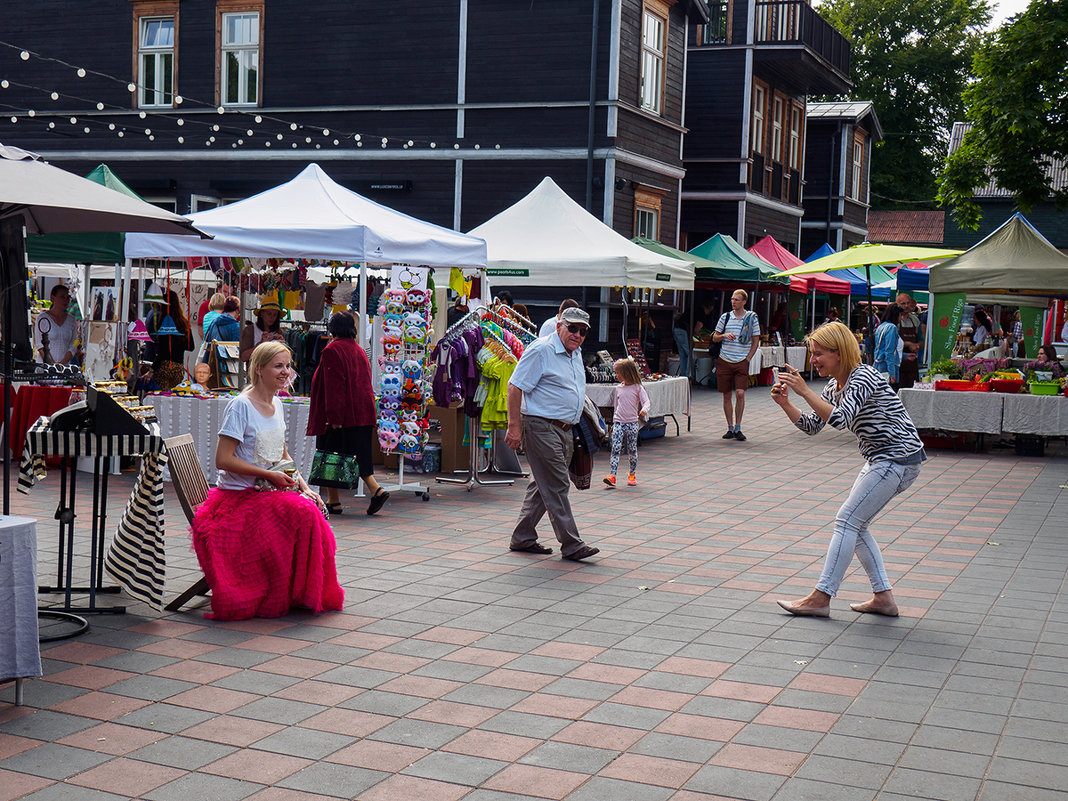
(267, 328)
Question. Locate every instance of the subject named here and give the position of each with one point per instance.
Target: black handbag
(338, 470)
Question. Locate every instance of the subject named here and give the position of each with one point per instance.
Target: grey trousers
(548, 450)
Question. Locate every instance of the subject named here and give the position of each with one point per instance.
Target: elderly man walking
(545, 397)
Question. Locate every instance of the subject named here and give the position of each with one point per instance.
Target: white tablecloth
(1035, 414)
(797, 356)
(20, 652)
(667, 396)
(978, 412)
(202, 417)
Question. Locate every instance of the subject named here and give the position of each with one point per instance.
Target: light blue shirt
(552, 380)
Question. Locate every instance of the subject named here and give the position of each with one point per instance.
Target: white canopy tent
(547, 239)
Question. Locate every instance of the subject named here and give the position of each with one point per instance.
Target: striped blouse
(869, 408)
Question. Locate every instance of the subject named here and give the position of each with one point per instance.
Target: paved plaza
(661, 670)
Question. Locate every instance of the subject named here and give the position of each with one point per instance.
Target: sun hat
(269, 302)
(575, 315)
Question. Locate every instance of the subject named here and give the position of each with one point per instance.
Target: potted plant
(943, 369)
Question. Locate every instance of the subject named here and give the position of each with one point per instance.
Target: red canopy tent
(776, 255)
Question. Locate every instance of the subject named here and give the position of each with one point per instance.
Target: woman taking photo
(342, 413)
(857, 398)
(262, 551)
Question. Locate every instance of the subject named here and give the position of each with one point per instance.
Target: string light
(80, 72)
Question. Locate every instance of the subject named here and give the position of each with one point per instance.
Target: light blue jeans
(682, 342)
(876, 484)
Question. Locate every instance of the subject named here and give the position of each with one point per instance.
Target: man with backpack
(738, 335)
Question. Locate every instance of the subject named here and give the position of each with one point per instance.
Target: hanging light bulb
(99, 106)
(456, 147)
(86, 129)
(111, 126)
(433, 145)
(496, 147)
(478, 147)
(51, 125)
(248, 132)
(31, 113)
(148, 132)
(220, 110)
(211, 138)
(4, 84)
(384, 141)
(179, 122)
(383, 144)
(294, 145)
(214, 127)
(278, 137)
(307, 140)
(326, 132)
(151, 138)
(131, 87)
(258, 119)
(267, 143)
(14, 119)
(358, 144)
(178, 100)
(24, 56)
(357, 137)
(80, 72)
(181, 140)
(241, 141)
(410, 143)
(318, 146)
(121, 134)
(141, 115)
(73, 120)
(54, 95)
(292, 126)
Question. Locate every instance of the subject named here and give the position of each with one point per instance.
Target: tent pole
(361, 328)
(869, 338)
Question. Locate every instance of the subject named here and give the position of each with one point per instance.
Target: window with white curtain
(155, 60)
(654, 39)
(240, 58)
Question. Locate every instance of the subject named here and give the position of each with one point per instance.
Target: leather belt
(558, 423)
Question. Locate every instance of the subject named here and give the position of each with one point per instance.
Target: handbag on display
(338, 470)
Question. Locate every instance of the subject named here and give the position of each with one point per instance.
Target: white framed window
(776, 129)
(240, 58)
(858, 170)
(155, 61)
(654, 42)
(202, 203)
(647, 223)
(759, 103)
(795, 138)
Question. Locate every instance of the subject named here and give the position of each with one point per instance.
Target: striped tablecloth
(136, 559)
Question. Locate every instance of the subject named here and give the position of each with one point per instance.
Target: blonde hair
(262, 356)
(837, 337)
(217, 301)
(628, 371)
(742, 292)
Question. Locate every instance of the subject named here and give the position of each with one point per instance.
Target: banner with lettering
(943, 319)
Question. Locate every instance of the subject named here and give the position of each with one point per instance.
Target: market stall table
(32, 401)
(202, 417)
(975, 412)
(668, 397)
(20, 650)
(1044, 415)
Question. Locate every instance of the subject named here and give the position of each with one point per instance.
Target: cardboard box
(454, 454)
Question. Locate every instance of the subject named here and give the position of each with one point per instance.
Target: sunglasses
(575, 328)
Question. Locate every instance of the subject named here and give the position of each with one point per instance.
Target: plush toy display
(406, 330)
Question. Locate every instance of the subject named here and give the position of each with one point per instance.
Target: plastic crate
(1044, 387)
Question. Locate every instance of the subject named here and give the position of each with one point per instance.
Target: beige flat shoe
(889, 611)
(801, 611)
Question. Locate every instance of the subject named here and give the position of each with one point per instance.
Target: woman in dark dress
(342, 413)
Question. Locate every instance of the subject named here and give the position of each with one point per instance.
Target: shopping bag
(331, 469)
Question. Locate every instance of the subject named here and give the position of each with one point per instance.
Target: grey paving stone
(356, 676)
(53, 761)
(674, 682)
(874, 728)
(524, 725)
(485, 695)
(797, 789)
(924, 784)
(1029, 773)
(70, 792)
(452, 671)
(674, 746)
(855, 773)
(255, 681)
(236, 657)
(328, 652)
(44, 724)
(729, 708)
(581, 688)
(636, 717)
(278, 710)
(736, 784)
(203, 785)
(182, 752)
(337, 780)
(881, 752)
(817, 701)
(307, 743)
(150, 688)
(136, 662)
(600, 788)
(998, 791)
(420, 733)
(44, 694)
(455, 768)
(565, 756)
(778, 737)
(165, 717)
(214, 635)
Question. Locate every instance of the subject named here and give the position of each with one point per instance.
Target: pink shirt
(630, 399)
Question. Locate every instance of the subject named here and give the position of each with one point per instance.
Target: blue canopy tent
(821, 251)
(913, 280)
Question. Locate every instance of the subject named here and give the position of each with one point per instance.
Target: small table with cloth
(20, 650)
(668, 397)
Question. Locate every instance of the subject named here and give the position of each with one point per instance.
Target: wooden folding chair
(191, 486)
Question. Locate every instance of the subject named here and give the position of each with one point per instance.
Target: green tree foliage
(912, 59)
(1018, 107)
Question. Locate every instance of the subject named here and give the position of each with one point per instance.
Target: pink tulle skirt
(263, 553)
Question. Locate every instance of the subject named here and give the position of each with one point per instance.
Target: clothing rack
(461, 325)
(516, 324)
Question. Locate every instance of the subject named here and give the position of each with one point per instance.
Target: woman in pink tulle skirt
(263, 552)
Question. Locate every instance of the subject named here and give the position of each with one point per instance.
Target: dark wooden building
(750, 71)
(840, 139)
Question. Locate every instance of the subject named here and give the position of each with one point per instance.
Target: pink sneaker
(632, 480)
(610, 481)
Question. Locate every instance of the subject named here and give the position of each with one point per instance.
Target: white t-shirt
(261, 441)
(1064, 332)
(549, 326)
(60, 337)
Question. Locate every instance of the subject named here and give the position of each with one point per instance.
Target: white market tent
(313, 217)
(547, 239)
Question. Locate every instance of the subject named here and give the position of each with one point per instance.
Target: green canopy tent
(736, 263)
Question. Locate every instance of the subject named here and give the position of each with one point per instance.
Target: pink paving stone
(532, 780)
(240, 732)
(378, 755)
(650, 770)
(420, 686)
(181, 649)
(650, 698)
(599, 735)
(568, 650)
(689, 795)
(195, 671)
(343, 621)
(761, 760)
(295, 666)
(491, 745)
(11, 744)
(81, 652)
(685, 589)
(102, 706)
(9, 713)
(90, 677)
(16, 785)
(590, 578)
(347, 721)
(318, 692)
(688, 666)
(705, 728)
(395, 663)
(165, 628)
(741, 691)
(472, 655)
(467, 715)
(256, 625)
(516, 679)
(364, 639)
(272, 645)
(557, 706)
(212, 699)
(790, 718)
(450, 635)
(823, 683)
(129, 777)
(612, 674)
(284, 794)
(413, 787)
(262, 767)
(112, 738)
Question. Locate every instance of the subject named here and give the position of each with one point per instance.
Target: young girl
(632, 406)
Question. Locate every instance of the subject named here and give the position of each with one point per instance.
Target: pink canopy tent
(776, 255)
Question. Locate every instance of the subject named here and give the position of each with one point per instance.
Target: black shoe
(378, 500)
(537, 547)
(582, 553)
(334, 508)
(738, 435)
(728, 435)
